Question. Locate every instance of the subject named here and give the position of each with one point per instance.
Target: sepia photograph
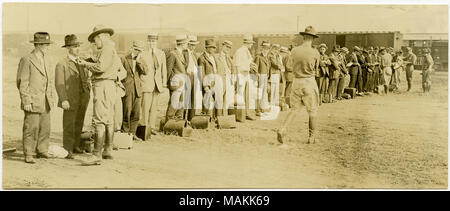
(224, 96)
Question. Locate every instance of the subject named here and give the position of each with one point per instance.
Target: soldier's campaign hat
(228, 43)
(265, 44)
(193, 40)
(248, 39)
(138, 45)
(284, 49)
(41, 38)
(309, 30)
(323, 45)
(210, 43)
(70, 40)
(99, 29)
(181, 39)
(152, 36)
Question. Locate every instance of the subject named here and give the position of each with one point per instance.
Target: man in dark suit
(263, 64)
(135, 67)
(73, 88)
(176, 74)
(212, 83)
(35, 84)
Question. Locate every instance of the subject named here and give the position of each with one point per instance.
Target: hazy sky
(66, 18)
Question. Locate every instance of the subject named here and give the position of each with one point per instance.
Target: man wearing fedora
(153, 84)
(227, 72)
(288, 74)
(212, 82)
(135, 67)
(177, 77)
(263, 63)
(195, 76)
(275, 78)
(323, 79)
(243, 62)
(305, 92)
(105, 67)
(73, 88)
(35, 84)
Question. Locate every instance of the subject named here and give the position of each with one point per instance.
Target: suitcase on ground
(351, 92)
(226, 122)
(123, 140)
(202, 121)
(178, 127)
(240, 115)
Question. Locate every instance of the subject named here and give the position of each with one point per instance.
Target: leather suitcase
(123, 140)
(240, 115)
(351, 92)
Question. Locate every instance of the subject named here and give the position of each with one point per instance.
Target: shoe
(43, 155)
(29, 159)
(135, 138)
(154, 132)
(69, 156)
(281, 135)
(92, 160)
(250, 118)
(107, 156)
(77, 150)
(258, 114)
(311, 140)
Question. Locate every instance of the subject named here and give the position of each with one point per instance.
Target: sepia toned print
(224, 96)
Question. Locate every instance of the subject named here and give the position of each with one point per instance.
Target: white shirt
(242, 59)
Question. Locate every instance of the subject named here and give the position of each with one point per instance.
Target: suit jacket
(275, 63)
(132, 82)
(71, 83)
(334, 68)
(176, 64)
(354, 69)
(263, 63)
(157, 71)
(288, 65)
(221, 65)
(35, 82)
(323, 66)
(206, 65)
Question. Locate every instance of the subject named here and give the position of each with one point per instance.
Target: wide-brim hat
(139, 45)
(71, 40)
(248, 39)
(181, 39)
(193, 40)
(323, 45)
(228, 43)
(210, 43)
(265, 44)
(344, 49)
(99, 29)
(336, 48)
(309, 30)
(41, 38)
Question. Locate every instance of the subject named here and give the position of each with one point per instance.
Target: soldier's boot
(109, 139)
(312, 130)
(99, 139)
(409, 86)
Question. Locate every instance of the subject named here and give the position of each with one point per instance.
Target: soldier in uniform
(73, 88)
(427, 70)
(386, 69)
(35, 84)
(305, 93)
(410, 60)
(288, 75)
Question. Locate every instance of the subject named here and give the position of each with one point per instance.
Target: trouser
(287, 93)
(426, 80)
(214, 99)
(131, 112)
(275, 90)
(364, 79)
(332, 87)
(36, 132)
(263, 99)
(323, 85)
(356, 82)
(409, 75)
(369, 82)
(243, 92)
(395, 78)
(149, 111)
(196, 103)
(175, 109)
(340, 86)
(118, 113)
(103, 118)
(376, 77)
(73, 124)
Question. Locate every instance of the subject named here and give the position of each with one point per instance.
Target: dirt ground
(394, 141)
